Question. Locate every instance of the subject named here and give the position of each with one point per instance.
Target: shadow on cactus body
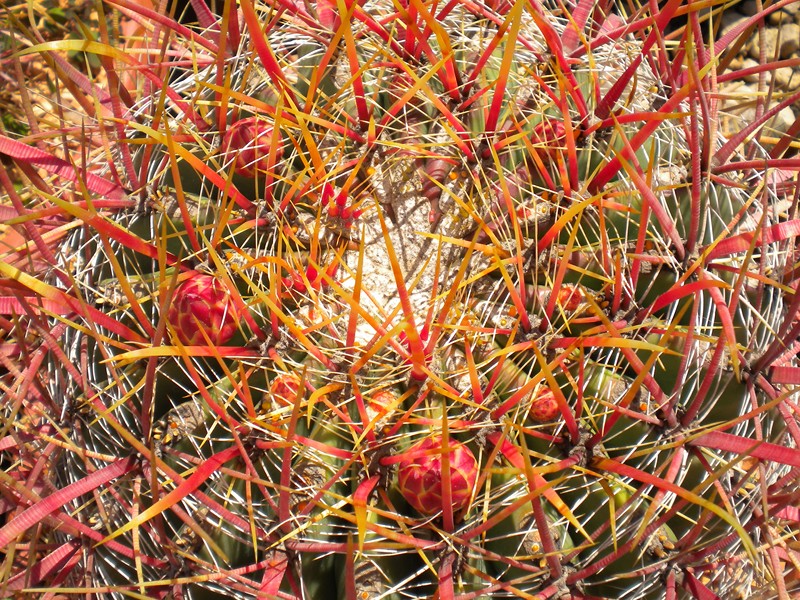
(414, 221)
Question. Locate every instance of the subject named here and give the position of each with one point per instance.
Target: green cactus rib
(449, 207)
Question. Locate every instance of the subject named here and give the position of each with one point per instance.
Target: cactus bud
(285, 389)
(202, 305)
(549, 136)
(249, 141)
(544, 407)
(380, 404)
(570, 297)
(421, 480)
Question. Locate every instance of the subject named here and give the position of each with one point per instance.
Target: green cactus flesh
(411, 237)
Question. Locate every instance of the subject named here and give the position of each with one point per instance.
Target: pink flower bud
(202, 304)
(421, 480)
(249, 140)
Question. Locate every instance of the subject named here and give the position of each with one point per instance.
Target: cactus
(396, 300)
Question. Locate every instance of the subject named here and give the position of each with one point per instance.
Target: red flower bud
(544, 407)
(249, 140)
(421, 480)
(549, 136)
(570, 297)
(285, 388)
(202, 304)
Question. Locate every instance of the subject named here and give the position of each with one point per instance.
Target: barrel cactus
(400, 300)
